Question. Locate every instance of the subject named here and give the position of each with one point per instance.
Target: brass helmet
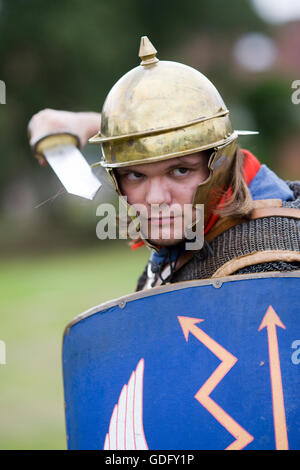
(161, 110)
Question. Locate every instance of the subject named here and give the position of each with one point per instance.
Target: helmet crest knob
(147, 52)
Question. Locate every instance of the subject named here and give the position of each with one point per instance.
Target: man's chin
(162, 242)
(165, 235)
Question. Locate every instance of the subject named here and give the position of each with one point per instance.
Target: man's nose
(158, 191)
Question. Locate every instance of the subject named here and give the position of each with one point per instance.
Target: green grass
(40, 295)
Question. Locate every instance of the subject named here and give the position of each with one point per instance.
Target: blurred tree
(66, 54)
(270, 103)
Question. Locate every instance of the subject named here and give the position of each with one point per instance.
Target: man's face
(161, 190)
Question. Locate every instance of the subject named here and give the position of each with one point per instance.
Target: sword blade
(73, 170)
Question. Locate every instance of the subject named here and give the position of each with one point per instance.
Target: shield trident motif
(211, 364)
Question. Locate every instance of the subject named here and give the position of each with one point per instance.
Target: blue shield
(196, 365)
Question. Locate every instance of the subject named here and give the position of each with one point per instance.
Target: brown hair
(240, 203)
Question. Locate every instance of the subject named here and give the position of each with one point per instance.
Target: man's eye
(180, 171)
(134, 176)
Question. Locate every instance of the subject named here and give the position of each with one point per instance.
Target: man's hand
(51, 121)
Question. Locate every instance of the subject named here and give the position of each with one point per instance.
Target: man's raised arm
(51, 121)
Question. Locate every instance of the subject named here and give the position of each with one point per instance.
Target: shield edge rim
(216, 283)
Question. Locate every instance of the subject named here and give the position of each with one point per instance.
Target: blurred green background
(67, 54)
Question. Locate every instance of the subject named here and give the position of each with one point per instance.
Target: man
(167, 143)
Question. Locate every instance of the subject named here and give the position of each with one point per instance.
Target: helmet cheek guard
(220, 164)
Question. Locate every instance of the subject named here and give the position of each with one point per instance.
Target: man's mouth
(161, 220)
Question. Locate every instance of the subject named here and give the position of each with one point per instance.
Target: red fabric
(136, 245)
(251, 168)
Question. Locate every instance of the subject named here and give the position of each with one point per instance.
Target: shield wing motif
(126, 430)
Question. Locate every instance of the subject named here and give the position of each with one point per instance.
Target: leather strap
(261, 209)
(258, 257)
(290, 212)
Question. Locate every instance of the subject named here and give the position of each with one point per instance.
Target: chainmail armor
(268, 233)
